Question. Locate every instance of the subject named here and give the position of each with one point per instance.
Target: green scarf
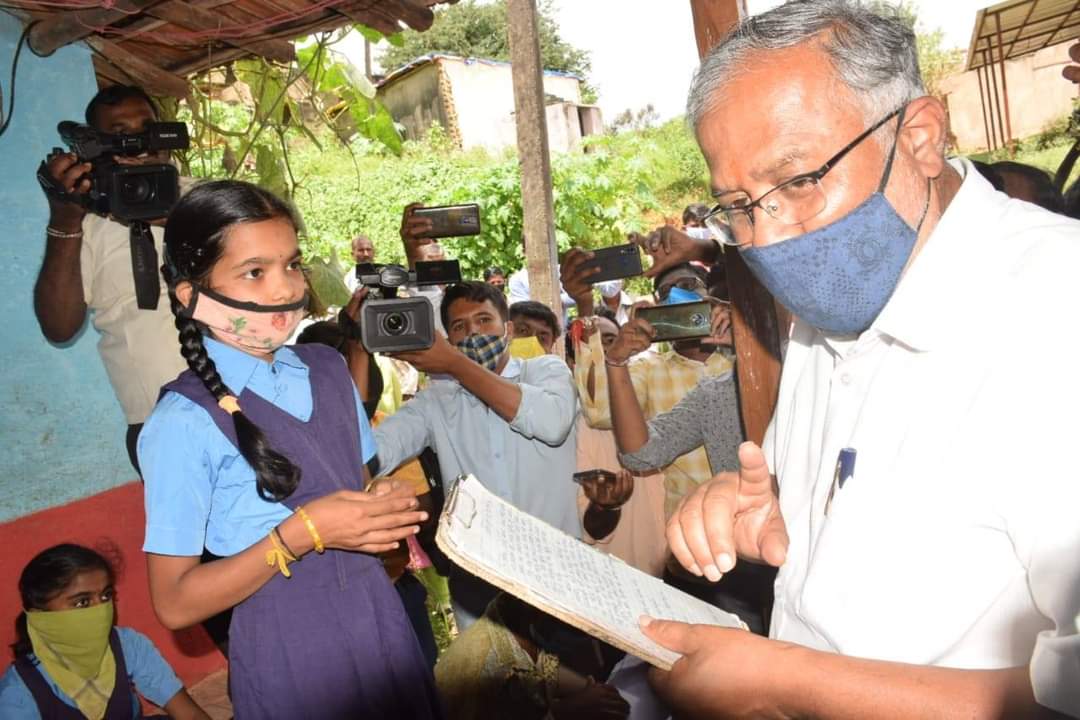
(73, 647)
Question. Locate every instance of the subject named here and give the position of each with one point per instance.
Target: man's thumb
(673, 635)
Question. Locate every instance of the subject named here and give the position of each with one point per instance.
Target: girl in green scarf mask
(70, 660)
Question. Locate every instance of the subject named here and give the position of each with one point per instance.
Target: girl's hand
(364, 521)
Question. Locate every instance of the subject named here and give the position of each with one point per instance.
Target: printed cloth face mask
(245, 325)
(484, 349)
(838, 278)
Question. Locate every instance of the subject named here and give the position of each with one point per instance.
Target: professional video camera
(126, 192)
(393, 324)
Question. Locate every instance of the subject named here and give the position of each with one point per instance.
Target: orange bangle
(319, 547)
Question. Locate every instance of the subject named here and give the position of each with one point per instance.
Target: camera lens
(395, 323)
(135, 189)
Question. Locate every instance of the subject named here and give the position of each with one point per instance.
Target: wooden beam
(541, 252)
(713, 19)
(364, 16)
(193, 64)
(67, 27)
(755, 325)
(152, 78)
(110, 72)
(195, 18)
(145, 23)
(417, 16)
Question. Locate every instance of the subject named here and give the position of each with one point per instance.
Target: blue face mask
(839, 277)
(677, 295)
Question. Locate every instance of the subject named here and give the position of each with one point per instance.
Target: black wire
(14, 67)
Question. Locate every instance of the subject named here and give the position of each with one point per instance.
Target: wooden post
(541, 252)
(1005, 85)
(979, 72)
(756, 330)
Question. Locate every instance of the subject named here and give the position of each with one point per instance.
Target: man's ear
(925, 133)
(508, 331)
(183, 292)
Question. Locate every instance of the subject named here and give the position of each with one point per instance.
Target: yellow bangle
(279, 556)
(319, 547)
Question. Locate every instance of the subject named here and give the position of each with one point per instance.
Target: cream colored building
(474, 100)
(1038, 95)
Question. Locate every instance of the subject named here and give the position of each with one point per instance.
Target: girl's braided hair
(195, 235)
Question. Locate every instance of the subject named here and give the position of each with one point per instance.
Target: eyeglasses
(792, 202)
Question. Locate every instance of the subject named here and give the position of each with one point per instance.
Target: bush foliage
(621, 183)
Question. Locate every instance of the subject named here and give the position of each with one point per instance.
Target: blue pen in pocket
(845, 470)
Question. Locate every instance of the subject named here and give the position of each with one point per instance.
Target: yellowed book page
(563, 576)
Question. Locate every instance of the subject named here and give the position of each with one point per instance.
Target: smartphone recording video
(615, 263)
(450, 220)
(681, 321)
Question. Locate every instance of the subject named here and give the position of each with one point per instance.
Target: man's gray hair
(874, 55)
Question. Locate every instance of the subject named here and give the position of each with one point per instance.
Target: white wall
(484, 99)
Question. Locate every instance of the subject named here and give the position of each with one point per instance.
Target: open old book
(593, 591)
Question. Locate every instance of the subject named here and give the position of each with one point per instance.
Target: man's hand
(66, 170)
(575, 278)
(736, 514)
(634, 337)
(724, 672)
(609, 493)
(668, 247)
(440, 358)
(412, 228)
(352, 309)
(720, 324)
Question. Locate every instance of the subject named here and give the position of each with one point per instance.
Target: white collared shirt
(957, 541)
(139, 348)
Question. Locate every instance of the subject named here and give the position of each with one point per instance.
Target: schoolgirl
(257, 452)
(71, 661)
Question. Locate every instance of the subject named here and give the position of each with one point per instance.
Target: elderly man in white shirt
(942, 577)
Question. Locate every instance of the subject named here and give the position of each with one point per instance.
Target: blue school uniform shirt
(149, 672)
(199, 489)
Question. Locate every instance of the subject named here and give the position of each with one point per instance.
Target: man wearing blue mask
(938, 577)
(506, 421)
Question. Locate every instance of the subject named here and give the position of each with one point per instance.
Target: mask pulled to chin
(245, 325)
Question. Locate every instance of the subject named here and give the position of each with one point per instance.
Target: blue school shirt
(199, 489)
(149, 672)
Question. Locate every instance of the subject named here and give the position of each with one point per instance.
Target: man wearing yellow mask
(535, 329)
(71, 662)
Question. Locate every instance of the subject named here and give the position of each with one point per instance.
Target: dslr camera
(392, 324)
(126, 192)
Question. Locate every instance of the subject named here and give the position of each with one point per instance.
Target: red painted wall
(116, 516)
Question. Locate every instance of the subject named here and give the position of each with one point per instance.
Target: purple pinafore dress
(333, 641)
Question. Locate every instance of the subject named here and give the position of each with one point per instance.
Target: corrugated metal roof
(433, 57)
(1016, 28)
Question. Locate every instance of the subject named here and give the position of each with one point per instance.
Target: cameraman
(507, 421)
(88, 265)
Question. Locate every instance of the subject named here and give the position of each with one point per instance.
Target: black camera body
(126, 192)
(391, 324)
